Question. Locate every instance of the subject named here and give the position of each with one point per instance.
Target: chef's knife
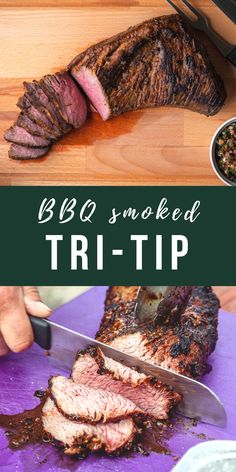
(62, 345)
(161, 303)
(228, 7)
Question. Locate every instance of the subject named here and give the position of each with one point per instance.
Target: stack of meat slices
(82, 418)
(104, 405)
(50, 108)
(94, 369)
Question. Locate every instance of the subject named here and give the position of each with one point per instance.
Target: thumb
(33, 304)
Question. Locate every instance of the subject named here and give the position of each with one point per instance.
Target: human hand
(16, 303)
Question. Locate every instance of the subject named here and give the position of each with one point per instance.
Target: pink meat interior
(93, 89)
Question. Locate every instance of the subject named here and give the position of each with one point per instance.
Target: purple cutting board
(22, 374)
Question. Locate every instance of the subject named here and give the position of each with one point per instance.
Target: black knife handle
(42, 332)
(232, 56)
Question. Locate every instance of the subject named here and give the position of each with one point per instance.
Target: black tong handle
(42, 332)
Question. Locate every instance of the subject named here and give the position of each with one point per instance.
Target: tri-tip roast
(160, 62)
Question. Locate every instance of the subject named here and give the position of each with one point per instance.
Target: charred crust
(182, 347)
(162, 61)
(194, 334)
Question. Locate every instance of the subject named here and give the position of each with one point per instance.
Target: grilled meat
(50, 109)
(18, 151)
(166, 303)
(183, 347)
(20, 135)
(77, 437)
(39, 120)
(102, 390)
(38, 92)
(157, 63)
(27, 101)
(92, 405)
(69, 102)
(93, 369)
(33, 126)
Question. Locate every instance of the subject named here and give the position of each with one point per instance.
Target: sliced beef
(35, 111)
(71, 103)
(77, 437)
(36, 117)
(24, 152)
(48, 117)
(181, 343)
(183, 347)
(92, 405)
(35, 90)
(93, 369)
(50, 108)
(19, 135)
(33, 127)
(157, 63)
(65, 126)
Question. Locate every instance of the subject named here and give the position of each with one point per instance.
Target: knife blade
(198, 401)
(161, 303)
(228, 7)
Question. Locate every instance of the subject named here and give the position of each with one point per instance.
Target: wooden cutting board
(152, 147)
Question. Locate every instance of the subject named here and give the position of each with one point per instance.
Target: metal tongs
(201, 23)
(162, 303)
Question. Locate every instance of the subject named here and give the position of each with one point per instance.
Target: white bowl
(213, 152)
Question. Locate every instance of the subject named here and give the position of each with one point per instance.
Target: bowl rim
(213, 156)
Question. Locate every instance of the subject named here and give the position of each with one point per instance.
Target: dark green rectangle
(25, 254)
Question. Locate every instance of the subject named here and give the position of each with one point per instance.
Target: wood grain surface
(153, 147)
(227, 296)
